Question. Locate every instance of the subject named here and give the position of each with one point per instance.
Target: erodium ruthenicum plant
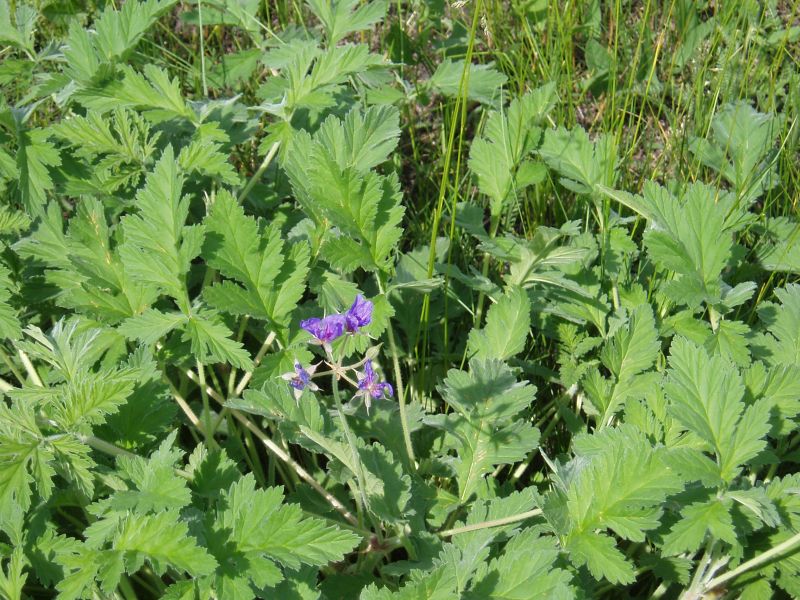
(239, 360)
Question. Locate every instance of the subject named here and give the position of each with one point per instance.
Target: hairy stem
(401, 390)
(756, 561)
(207, 420)
(259, 172)
(695, 589)
(494, 523)
(256, 361)
(351, 441)
(26, 362)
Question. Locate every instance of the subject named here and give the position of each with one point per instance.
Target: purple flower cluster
(325, 331)
(329, 328)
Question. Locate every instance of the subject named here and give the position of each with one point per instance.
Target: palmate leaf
(484, 82)
(154, 484)
(524, 571)
(34, 155)
(21, 457)
(255, 526)
(688, 534)
(616, 481)
(333, 181)
(692, 237)
(781, 345)
(114, 35)
(507, 324)
(117, 32)
(473, 547)
(483, 429)
(211, 341)
(85, 264)
(123, 545)
(706, 396)
(584, 166)
(273, 278)
(388, 489)
(310, 78)
(341, 17)
(154, 92)
(497, 158)
(742, 139)
(159, 247)
(10, 327)
(631, 350)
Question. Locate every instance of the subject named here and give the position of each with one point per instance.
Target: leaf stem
(304, 475)
(11, 366)
(494, 523)
(695, 589)
(202, 49)
(351, 441)
(207, 421)
(257, 361)
(31, 370)
(754, 562)
(401, 390)
(259, 172)
(274, 449)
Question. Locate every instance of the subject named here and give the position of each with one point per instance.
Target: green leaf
(10, 327)
(118, 32)
(333, 181)
(484, 82)
(211, 341)
(156, 486)
(159, 247)
(482, 429)
(154, 92)
(20, 454)
(688, 534)
(34, 155)
(599, 553)
(497, 158)
(273, 278)
(634, 348)
(507, 324)
(262, 529)
(20, 33)
(740, 148)
(616, 481)
(524, 571)
(339, 18)
(705, 395)
(782, 344)
(151, 325)
(163, 540)
(388, 488)
(584, 165)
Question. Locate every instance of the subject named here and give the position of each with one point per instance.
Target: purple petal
(359, 314)
(325, 330)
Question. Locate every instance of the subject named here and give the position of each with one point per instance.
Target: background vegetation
(578, 224)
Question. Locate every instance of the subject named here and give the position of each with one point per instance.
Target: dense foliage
(253, 346)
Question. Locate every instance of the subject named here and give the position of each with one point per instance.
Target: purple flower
(358, 315)
(300, 379)
(369, 387)
(325, 330)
